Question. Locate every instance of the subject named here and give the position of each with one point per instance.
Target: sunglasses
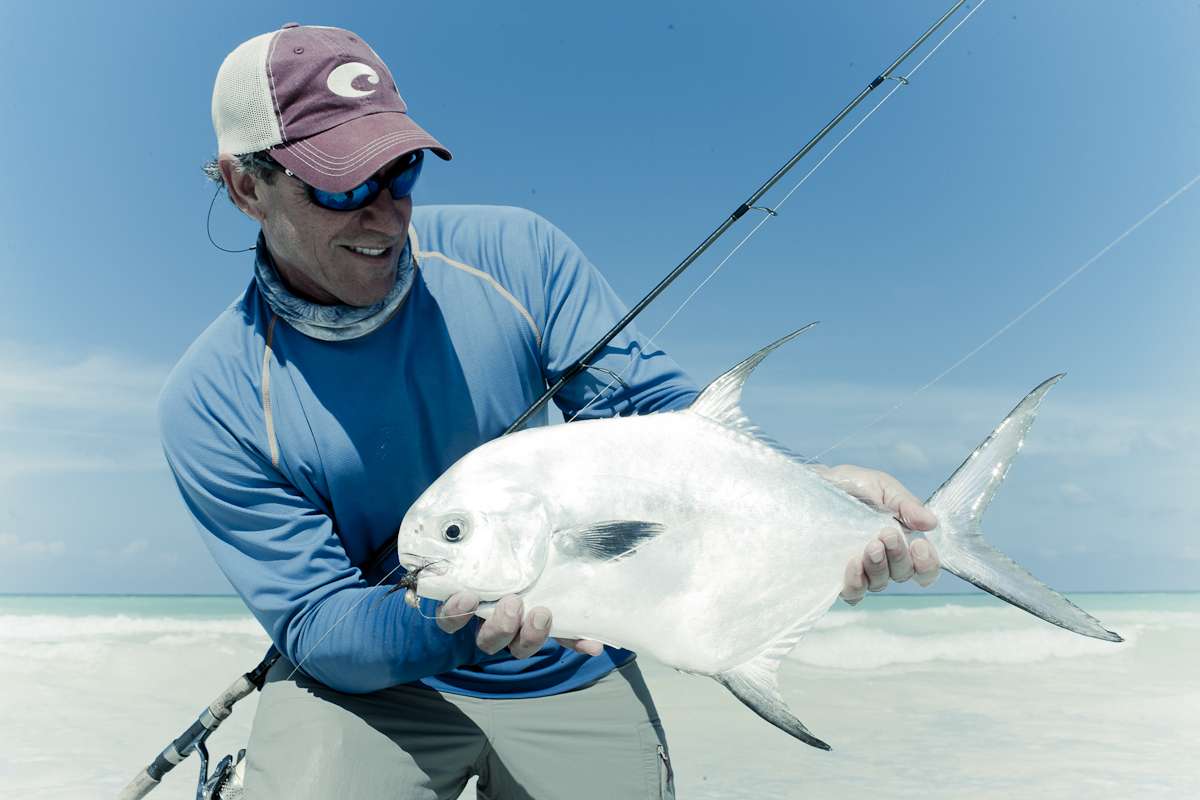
(399, 180)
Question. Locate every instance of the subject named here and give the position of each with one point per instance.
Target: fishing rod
(193, 739)
(385, 553)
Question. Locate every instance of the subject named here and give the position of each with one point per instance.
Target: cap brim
(341, 158)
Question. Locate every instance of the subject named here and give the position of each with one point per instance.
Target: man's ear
(244, 190)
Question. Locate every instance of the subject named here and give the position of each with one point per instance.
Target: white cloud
(1075, 494)
(945, 422)
(910, 455)
(63, 413)
(96, 382)
(133, 548)
(11, 544)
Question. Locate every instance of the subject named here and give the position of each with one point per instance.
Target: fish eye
(453, 532)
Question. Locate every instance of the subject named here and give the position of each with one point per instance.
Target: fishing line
(338, 621)
(357, 603)
(1078, 271)
(771, 213)
(752, 202)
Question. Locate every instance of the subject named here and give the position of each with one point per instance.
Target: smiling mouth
(369, 252)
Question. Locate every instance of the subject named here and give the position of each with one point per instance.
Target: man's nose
(387, 215)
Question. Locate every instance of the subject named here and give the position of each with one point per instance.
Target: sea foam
(960, 633)
(53, 628)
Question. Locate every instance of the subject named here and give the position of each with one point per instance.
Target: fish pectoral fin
(756, 684)
(604, 541)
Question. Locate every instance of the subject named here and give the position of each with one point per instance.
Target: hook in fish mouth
(408, 582)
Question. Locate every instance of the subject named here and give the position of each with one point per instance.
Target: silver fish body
(739, 522)
(690, 536)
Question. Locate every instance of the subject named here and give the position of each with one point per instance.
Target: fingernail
(512, 608)
(892, 540)
(920, 549)
(541, 620)
(875, 552)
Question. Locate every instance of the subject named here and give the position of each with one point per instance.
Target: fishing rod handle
(210, 719)
(139, 787)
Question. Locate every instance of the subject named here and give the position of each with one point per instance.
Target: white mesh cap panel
(243, 110)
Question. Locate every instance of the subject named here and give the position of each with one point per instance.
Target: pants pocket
(666, 777)
(660, 779)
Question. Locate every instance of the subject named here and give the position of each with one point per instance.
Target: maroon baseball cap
(321, 100)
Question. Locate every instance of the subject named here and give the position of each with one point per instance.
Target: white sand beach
(933, 697)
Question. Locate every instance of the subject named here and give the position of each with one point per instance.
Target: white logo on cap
(341, 79)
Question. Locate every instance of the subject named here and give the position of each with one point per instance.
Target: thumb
(915, 516)
(454, 614)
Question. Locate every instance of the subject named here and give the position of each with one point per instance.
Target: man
(375, 345)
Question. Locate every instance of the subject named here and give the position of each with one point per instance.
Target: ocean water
(945, 696)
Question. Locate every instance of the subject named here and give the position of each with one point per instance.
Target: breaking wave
(28, 642)
(958, 633)
(871, 648)
(54, 629)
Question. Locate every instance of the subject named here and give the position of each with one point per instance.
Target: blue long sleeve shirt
(298, 457)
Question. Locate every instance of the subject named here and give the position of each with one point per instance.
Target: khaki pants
(407, 743)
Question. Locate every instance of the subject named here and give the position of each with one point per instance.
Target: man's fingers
(497, 632)
(533, 633)
(915, 516)
(882, 491)
(875, 564)
(854, 585)
(925, 562)
(907, 508)
(457, 611)
(900, 563)
(586, 646)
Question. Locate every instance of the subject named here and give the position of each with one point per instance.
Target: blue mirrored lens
(364, 194)
(357, 197)
(402, 184)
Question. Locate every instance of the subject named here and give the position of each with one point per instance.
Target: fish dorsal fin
(756, 682)
(721, 399)
(604, 541)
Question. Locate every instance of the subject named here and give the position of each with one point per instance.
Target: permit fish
(692, 537)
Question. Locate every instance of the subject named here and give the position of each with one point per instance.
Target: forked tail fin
(959, 505)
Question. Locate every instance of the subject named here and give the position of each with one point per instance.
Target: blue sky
(1031, 140)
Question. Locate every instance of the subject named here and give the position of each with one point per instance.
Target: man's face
(313, 247)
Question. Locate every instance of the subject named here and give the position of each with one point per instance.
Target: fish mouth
(428, 577)
(415, 568)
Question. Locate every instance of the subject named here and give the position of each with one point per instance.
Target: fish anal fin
(604, 541)
(756, 684)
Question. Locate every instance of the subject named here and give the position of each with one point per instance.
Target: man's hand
(508, 626)
(888, 555)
